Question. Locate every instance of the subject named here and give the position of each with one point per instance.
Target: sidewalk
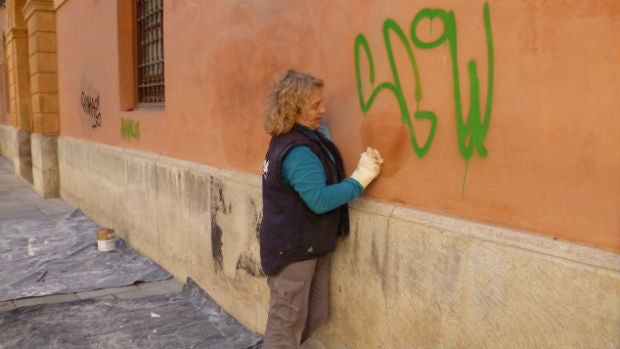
(18, 200)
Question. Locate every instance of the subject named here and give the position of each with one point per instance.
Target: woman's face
(313, 112)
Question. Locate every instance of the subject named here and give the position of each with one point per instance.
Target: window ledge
(148, 107)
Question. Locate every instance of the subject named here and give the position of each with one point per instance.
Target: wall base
(403, 279)
(15, 146)
(45, 165)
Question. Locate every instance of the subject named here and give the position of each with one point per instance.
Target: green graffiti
(470, 131)
(130, 129)
(395, 87)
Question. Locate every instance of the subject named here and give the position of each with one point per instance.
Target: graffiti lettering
(90, 106)
(130, 129)
(395, 86)
(470, 131)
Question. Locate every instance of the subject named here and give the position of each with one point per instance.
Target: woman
(305, 195)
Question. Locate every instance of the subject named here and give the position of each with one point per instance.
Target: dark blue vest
(290, 231)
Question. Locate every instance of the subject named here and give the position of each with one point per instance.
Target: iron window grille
(151, 86)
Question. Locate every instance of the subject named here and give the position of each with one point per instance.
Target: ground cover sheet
(182, 320)
(59, 254)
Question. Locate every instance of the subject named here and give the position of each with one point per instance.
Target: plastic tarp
(59, 254)
(186, 319)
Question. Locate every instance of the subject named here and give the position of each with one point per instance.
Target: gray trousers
(299, 303)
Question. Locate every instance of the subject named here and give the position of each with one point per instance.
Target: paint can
(106, 239)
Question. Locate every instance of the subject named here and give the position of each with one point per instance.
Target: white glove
(368, 167)
(374, 154)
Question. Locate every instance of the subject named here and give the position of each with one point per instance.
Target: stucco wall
(402, 279)
(537, 153)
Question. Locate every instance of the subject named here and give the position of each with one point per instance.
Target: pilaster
(40, 19)
(18, 77)
(41, 22)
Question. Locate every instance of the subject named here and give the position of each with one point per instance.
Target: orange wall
(553, 152)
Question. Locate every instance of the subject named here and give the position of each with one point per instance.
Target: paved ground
(19, 201)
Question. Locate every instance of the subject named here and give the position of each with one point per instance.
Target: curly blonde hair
(287, 99)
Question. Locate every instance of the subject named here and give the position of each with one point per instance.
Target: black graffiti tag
(90, 105)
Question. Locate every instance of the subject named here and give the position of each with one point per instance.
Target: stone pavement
(18, 200)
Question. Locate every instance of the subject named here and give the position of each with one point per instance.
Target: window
(150, 51)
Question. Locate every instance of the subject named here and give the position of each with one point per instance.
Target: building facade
(495, 222)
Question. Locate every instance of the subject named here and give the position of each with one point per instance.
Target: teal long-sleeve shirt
(303, 170)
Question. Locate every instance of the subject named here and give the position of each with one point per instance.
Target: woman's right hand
(368, 168)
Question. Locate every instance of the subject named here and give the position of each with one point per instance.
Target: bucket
(106, 240)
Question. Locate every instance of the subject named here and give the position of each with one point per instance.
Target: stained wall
(404, 278)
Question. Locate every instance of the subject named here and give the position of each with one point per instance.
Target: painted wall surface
(503, 112)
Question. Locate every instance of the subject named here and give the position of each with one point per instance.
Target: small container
(106, 239)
